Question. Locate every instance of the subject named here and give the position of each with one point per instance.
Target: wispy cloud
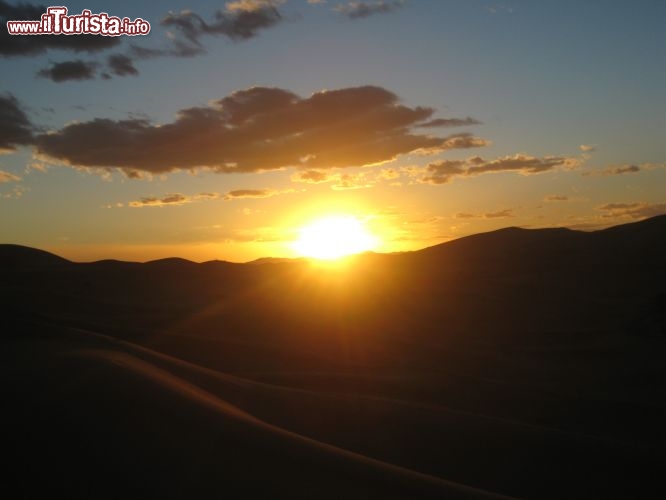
(172, 199)
(339, 181)
(623, 169)
(499, 214)
(451, 122)
(556, 197)
(240, 20)
(8, 177)
(445, 171)
(358, 9)
(632, 210)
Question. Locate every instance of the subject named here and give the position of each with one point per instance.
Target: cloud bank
(258, 129)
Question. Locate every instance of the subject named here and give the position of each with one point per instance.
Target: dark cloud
(358, 9)
(451, 122)
(15, 127)
(624, 169)
(32, 45)
(69, 70)
(254, 193)
(257, 129)
(556, 197)
(445, 171)
(248, 193)
(121, 65)
(240, 21)
(634, 210)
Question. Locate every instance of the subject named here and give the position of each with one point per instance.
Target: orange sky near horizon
(424, 121)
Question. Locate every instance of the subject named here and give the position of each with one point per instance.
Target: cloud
(359, 180)
(8, 177)
(352, 181)
(588, 148)
(121, 65)
(635, 210)
(172, 199)
(33, 45)
(445, 171)
(451, 122)
(358, 9)
(15, 193)
(241, 20)
(312, 176)
(179, 48)
(69, 70)
(624, 169)
(499, 214)
(556, 197)
(389, 174)
(254, 193)
(15, 126)
(465, 141)
(254, 130)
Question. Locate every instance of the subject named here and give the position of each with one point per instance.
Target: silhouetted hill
(170, 261)
(12, 256)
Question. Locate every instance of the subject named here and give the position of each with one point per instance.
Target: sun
(333, 237)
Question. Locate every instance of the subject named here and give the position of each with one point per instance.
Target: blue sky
(583, 82)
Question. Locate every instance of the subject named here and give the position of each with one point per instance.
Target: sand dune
(107, 422)
(520, 363)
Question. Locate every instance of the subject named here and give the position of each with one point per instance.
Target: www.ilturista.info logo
(55, 21)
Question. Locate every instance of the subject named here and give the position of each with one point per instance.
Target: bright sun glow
(333, 237)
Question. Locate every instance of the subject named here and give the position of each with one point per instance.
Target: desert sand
(513, 364)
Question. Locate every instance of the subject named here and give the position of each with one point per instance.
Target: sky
(233, 125)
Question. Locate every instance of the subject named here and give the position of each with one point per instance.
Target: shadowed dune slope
(525, 363)
(100, 421)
